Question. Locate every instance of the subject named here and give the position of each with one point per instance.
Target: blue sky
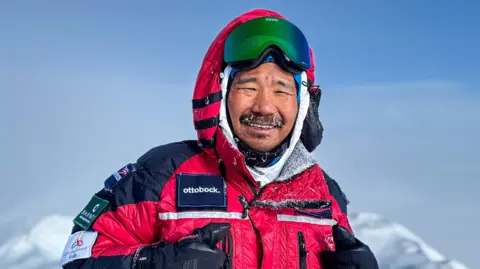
(86, 87)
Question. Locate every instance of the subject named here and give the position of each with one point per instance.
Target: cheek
(289, 111)
(232, 109)
(236, 106)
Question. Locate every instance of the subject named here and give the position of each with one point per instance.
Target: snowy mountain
(396, 247)
(40, 246)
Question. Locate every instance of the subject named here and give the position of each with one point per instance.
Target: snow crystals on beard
(251, 119)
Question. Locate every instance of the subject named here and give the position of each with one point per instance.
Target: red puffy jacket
(175, 188)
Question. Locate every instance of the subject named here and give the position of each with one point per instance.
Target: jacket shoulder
(134, 183)
(336, 192)
(151, 171)
(168, 156)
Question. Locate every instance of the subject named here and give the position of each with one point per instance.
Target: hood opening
(268, 173)
(208, 95)
(253, 157)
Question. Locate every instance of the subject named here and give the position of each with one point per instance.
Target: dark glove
(196, 251)
(350, 252)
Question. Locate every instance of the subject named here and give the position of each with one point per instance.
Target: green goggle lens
(250, 39)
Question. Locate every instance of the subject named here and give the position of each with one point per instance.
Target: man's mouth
(261, 126)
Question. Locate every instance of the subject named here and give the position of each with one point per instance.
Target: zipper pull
(228, 249)
(245, 205)
(302, 251)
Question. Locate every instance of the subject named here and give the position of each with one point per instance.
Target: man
(247, 193)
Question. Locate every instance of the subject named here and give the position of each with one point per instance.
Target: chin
(260, 145)
(258, 140)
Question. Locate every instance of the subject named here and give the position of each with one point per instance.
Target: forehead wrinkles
(265, 78)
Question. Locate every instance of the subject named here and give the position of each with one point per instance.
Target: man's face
(263, 106)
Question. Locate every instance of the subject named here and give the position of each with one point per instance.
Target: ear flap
(312, 131)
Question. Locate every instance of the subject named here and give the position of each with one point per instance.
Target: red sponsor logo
(330, 242)
(78, 241)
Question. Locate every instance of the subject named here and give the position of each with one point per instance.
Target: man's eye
(282, 92)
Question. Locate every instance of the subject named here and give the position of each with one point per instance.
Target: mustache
(269, 120)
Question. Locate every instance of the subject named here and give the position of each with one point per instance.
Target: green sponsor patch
(91, 212)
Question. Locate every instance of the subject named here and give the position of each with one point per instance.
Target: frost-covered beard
(270, 121)
(261, 158)
(274, 121)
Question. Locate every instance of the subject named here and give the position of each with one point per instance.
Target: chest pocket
(294, 232)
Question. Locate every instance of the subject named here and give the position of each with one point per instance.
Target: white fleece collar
(265, 175)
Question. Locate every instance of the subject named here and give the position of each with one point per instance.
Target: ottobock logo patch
(79, 246)
(201, 192)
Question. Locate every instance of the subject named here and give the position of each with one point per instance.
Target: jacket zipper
(227, 247)
(302, 251)
(246, 207)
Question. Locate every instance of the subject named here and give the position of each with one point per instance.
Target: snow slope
(396, 247)
(38, 248)
(41, 245)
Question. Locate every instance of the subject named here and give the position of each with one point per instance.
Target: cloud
(407, 150)
(414, 124)
(65, 132)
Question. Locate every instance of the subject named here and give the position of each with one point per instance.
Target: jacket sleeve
(350, 251)
(121, 219)
(340, 198)
(118, 221)
(336, 192)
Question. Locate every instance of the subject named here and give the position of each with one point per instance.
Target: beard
(261, 121)
(268, 121)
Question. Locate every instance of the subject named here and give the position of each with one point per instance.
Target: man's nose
(264, 104)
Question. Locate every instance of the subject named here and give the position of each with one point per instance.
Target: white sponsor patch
(305, 219)
(200, 215)
(79, 246)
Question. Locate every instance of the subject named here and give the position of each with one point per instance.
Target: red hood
(207, 93)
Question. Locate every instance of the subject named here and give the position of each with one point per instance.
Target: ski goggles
(251, 42)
